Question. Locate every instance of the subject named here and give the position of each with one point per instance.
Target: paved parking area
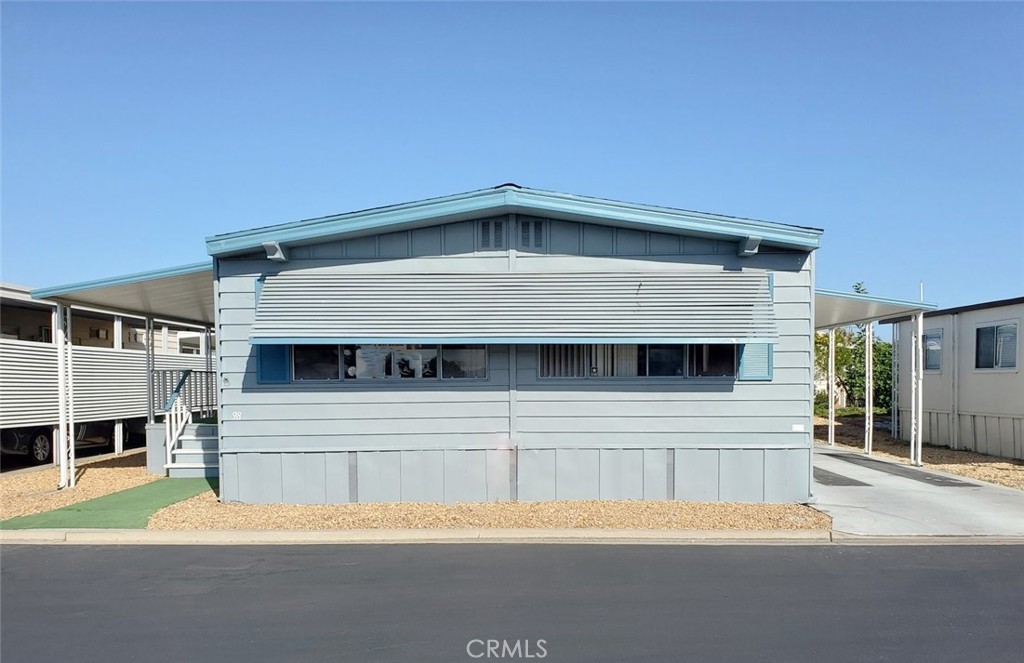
(874, 497)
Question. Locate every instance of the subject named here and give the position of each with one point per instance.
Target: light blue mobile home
(515, 344)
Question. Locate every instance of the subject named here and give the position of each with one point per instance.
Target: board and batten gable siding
(514, 435)
(966, 407)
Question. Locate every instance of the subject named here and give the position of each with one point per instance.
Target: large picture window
(622, 361)
(386, 362)
(996, 346)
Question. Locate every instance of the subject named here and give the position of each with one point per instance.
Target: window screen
(996, 346)
(933, 351)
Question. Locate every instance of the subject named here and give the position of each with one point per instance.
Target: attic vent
(492, 234)
(531, 234)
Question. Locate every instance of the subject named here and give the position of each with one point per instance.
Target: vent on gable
(531, 234)
(492, 234)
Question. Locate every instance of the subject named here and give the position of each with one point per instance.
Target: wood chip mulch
(25, 493)
(205, 512)
(850, 433)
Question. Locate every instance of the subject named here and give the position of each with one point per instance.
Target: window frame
(940, 332)
(688, 348)
(389, 379)
(291, 375)
(996, 324)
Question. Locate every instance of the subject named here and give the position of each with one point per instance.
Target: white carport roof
(834, 308)
(185, 294)
(178, 294)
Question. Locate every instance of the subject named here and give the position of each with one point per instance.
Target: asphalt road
(586, 603)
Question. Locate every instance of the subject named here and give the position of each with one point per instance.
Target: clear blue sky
(132, 131)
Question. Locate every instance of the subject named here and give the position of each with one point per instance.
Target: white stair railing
(177, 415)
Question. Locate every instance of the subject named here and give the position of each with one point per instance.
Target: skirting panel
(529, 475)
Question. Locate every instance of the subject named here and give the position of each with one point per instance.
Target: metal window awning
(515, 307)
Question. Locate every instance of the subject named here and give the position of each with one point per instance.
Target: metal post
(894, 407)
(61, 441)
(831, 387)
(920, 386)
(869, 386)
(71, 405)
(118, 332)
(954, 368)
(119, 437)
(914, 422)
(150, 360)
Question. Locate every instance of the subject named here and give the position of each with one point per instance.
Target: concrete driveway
(874, 497)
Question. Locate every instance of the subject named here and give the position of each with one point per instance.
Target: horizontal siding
(107, 383)
(28, 384)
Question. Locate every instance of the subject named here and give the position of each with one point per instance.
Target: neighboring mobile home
(973, 384)
(515, 344)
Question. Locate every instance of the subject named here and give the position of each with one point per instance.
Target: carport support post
(71, 403)
(150, 361)
(831, 386)
(914, 369)
(919, 380)
(869, 386)
(894, 372)
(60, 441)
(119, 436)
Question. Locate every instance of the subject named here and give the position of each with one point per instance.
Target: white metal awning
(515, 307)
(181, 294)
(834, 308)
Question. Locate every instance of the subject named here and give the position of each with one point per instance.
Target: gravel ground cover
(1002, 471)
(205, 512)
(24, 493)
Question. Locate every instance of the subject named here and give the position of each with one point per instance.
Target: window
(666, 360)
(996, 346)
(464, 361)
(654, 360)
(713, 361)
(933, 350)
(315, 362)
(492, 234)
(387, 362)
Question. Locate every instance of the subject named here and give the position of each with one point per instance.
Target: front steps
(197, 455)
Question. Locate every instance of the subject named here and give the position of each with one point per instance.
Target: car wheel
(40, 447)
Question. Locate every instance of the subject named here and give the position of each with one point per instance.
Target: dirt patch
(25, 493)
(1002, 471)
(205, 512)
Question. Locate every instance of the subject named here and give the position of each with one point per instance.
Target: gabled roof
(514, 199)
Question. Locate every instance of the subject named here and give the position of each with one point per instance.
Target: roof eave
(512, 200)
